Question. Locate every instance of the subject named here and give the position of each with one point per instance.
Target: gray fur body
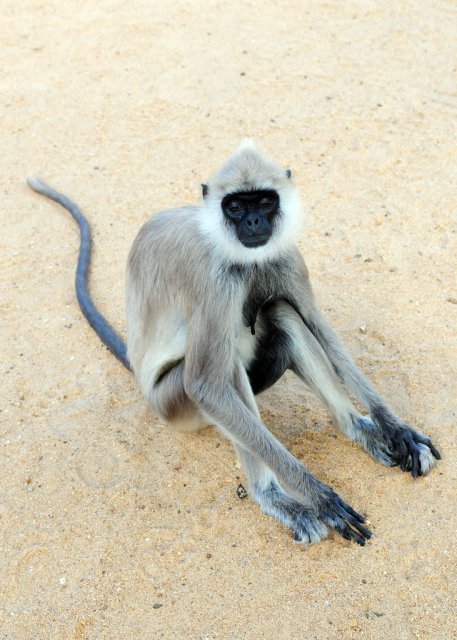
(195, 297)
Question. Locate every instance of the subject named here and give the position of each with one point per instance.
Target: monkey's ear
(204, 189)
(288, 173)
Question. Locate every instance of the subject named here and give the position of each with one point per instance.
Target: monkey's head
(251, 210)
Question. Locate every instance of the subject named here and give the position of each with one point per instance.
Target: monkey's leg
(263, 485)
(384, 435)
(171, 403)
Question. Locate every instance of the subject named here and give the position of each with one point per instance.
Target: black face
(252, 214)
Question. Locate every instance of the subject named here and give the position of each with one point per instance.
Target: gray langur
(219, 305)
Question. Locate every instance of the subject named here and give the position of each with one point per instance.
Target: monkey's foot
(338, 515)
(309, 526)
(397, 445)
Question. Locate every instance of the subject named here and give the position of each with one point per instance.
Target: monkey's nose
(253, 221)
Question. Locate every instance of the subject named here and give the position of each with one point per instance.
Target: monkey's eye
(267, 205)
(235, 207)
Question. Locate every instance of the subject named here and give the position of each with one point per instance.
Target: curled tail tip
(35, 183)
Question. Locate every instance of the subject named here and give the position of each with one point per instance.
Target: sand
(113, 526)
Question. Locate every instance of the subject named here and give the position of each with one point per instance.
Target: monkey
(219, 305)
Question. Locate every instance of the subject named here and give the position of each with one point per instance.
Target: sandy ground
(113, 526)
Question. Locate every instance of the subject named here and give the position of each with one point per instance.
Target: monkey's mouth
(255, 241)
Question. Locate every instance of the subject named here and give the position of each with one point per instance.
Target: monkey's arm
(217, 383)
(410, 449)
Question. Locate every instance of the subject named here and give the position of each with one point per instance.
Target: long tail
(98, 322)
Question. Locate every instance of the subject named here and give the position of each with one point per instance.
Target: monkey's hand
(406, 447)
(412, 450)
(338, 515)
(393, 443)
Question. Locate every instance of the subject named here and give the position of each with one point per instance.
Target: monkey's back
(168, 266)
